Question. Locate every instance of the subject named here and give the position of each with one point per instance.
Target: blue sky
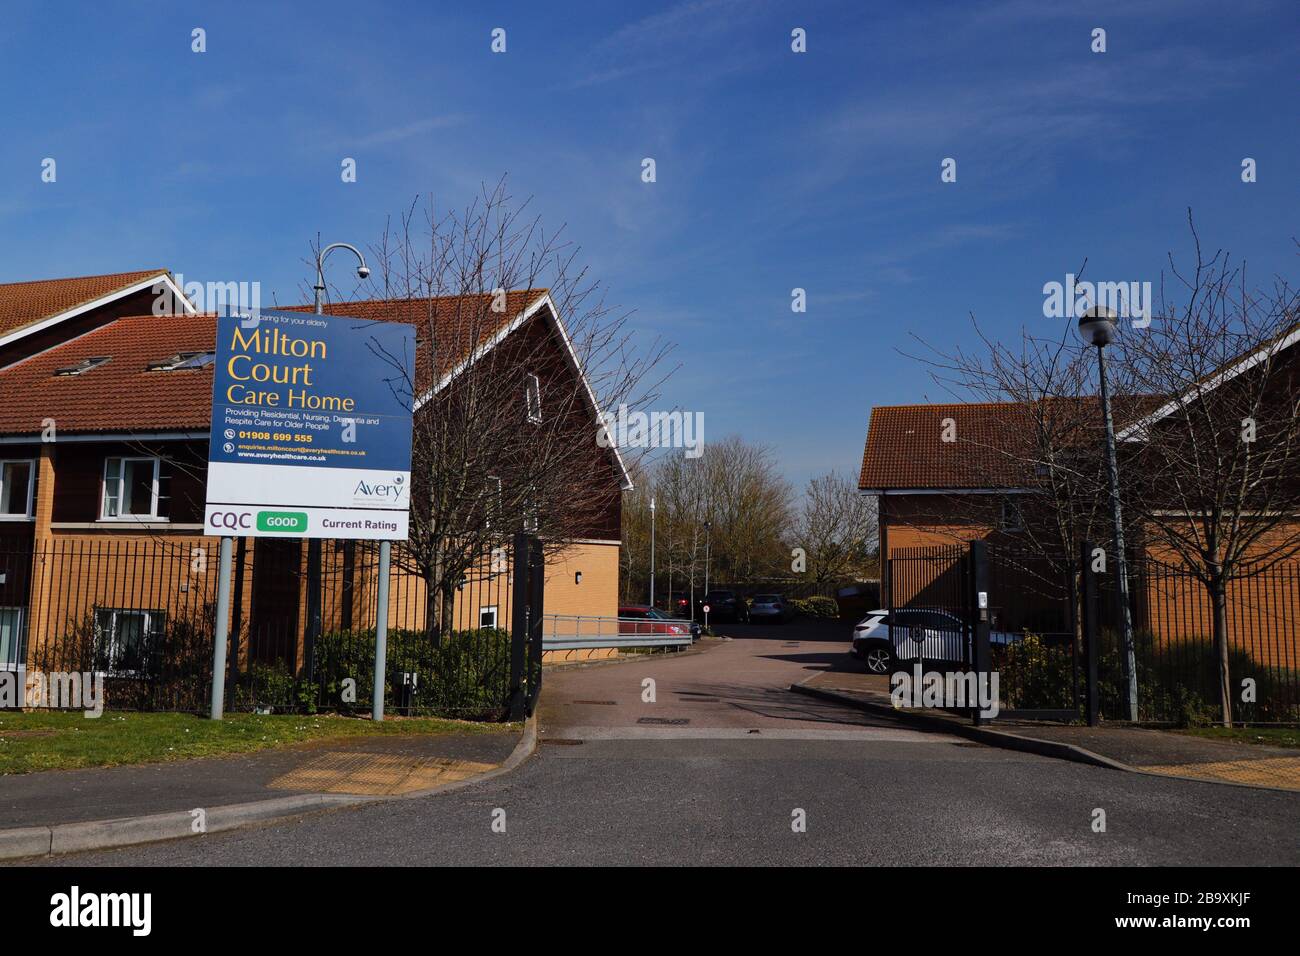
(775, 170)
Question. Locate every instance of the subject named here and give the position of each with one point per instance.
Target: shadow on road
(777, 704)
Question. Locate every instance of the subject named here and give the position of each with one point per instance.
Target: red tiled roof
(905, 447)
(993, 444)
(122, 395)
(23, 303)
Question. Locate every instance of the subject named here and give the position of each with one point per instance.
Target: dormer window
(85, 365)
(533, 398)
(182, 361)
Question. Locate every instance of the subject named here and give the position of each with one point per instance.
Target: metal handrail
(577, 631)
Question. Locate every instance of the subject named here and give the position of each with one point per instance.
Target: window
(532, 520)
(124, 638)
(533, 395)
(17, 481)
(492, 504)
(133, 488)
(13, 652)
(85, 365)
(487, 616)
(1012, 519)
(183, 360)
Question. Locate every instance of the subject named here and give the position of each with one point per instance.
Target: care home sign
(311, 427)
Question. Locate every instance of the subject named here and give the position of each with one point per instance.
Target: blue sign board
(311, 426)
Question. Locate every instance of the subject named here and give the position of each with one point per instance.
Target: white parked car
(881, 641)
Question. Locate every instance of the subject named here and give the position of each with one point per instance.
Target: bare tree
(1219, 462)
(505, 435)
(734, 487)
(836, 528)
(1206, 409)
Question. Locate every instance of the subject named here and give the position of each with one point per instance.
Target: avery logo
(70, 910)
(391, 491)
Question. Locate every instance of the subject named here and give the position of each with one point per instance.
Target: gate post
(1088, 600)
(979, 601)
(536, 588)
(520, 558)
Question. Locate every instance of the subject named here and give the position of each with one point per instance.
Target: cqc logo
(388, 492)
(284, 522)
(230, 520)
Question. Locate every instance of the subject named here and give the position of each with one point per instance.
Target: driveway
(734, 686)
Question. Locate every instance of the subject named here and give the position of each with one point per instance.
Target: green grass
(1273, 736)
(66, 741)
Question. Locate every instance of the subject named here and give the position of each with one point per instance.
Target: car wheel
(878, 660)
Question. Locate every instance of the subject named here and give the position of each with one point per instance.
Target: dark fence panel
(1036, 634)
(1035, 643)
(143, 613)
(1177, 663)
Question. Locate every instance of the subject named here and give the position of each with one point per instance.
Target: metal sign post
(381, 632)
(222, 632)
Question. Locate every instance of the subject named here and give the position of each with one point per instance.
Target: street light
(1097, 327)
(363, 270)
(708, 539)
(652, 551)
(313, 544)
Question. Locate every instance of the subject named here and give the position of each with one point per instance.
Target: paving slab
(363, 765)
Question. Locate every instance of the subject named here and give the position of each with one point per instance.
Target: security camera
(363, 272)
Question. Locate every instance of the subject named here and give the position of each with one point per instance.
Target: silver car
(769, 607)
(881, 641)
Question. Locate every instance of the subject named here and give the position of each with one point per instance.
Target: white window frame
(31, 488)
(20, 662)
(1011, 517)
(121, 477)
(484, 610)
(111, 636)
(494, 500)
(533, 398)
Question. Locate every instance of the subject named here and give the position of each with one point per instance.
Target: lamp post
(652, 550)
(1097, 327)
(313, 544)
(708, 539)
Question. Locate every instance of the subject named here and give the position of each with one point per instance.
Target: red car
(643, 619)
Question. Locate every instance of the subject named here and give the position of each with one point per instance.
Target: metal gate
(939, 599)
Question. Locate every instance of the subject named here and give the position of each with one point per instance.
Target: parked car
(882, 641)
(724, 605)
(769, 607)
(643, 619)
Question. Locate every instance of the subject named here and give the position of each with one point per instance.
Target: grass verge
(67, 741)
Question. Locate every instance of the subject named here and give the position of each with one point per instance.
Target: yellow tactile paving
(375, 774)
(1266, 772)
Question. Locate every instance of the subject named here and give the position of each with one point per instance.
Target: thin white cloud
(396, 134)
